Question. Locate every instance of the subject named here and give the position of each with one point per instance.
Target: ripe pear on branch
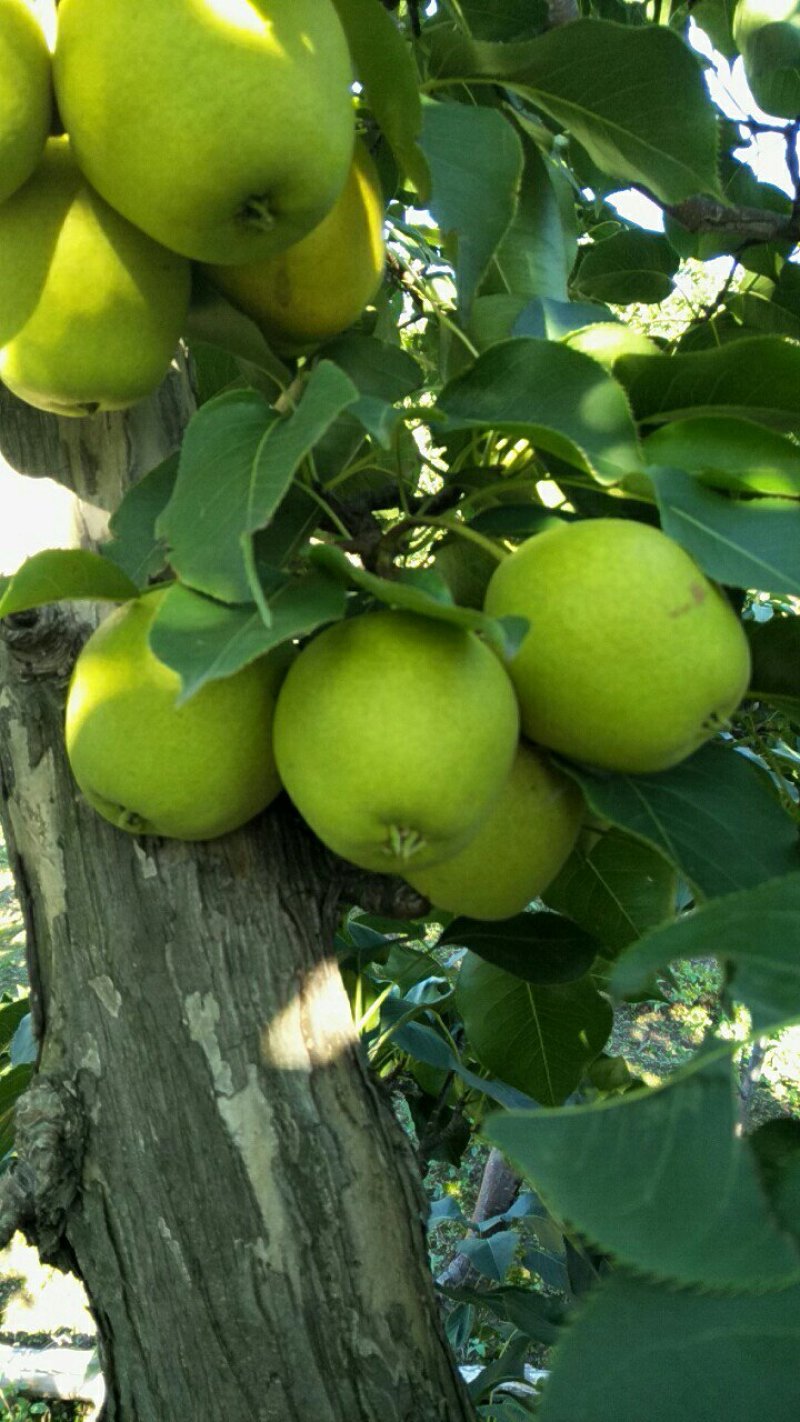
(223, 128)
(318, 287)
(633, 658)
(394, 735)
(91, 309)
(150, 766)
(518, 849)
(26, 96)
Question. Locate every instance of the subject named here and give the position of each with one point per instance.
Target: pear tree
(424, 501)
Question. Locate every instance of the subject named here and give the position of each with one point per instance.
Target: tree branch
(752, 224)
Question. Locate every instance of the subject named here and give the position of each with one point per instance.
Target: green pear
(320, 286)
(90, 308)
(223, 128)
(519, 848)
(633, 658)
(150, 766)
(26, 99)
(393, 736)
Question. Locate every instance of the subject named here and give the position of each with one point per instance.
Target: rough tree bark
(202, 1141)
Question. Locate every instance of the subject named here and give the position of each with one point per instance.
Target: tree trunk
(202, 1140)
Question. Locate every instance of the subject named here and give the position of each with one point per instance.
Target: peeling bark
(204, 1141)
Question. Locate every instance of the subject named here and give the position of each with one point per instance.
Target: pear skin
(26, 95)
(90, 308)
(518, 849)
(223, 128)
(148, 766)
(633, 658)
(318, 287)
(394, 733)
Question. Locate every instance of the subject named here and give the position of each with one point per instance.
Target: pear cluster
(404, 741)
(159, 135)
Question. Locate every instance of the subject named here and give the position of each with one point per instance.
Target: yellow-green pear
(90, 308)
(26, 97)
(633, 658)
(394, 734)
(319, 286)
(223, 128)
(149, 766)
(519, 848)
(607, 341)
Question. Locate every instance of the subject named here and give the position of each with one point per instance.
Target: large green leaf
(504, 19)
(203, 640)
(538, 251)
(639, 1350)
(746, 543)
(634, 98)
(476, 161)
(561, 400)
(728, 453)
(754, 379)
(768, 35)
(630, 266)
(538, 1038)
(756, 930)
(386, 69)
(58, 574)
(714, 817)
(237, 462)
(615, 890)
(661, 1179)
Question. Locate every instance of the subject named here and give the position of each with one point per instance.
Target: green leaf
(237, 463)
(532, 1313)
(425, 1045)
(203, 640)
(615, 890)
(714, 817)
(756, 930)
(213, 370)
(561, 400)
(753, 543)
(385, 66)
(423, 591)
(204, 520)
(641, 1350)
(768, 35)
(537, 947)
(538, 1038)
(60, 574)
(510, 1366)
(732, 454)
(214, 322)
(660, 1179)
(504, 19)
(634, 98)
(11, 1014)
(135, 546)
(476, 162)
(630, 266)
(537, 253)
(775, 650)
(754, 379)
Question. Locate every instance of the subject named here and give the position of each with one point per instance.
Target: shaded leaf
(775, 649)
(714, 817)
(753, 379)
(538, 1038)
(660, 1179)
(134, 546)
(630, 266)
(425, 1045)
(686, 1355)
(476, 160)
(616, 890)
(728, 453)
(537, 947)
(753, 543)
